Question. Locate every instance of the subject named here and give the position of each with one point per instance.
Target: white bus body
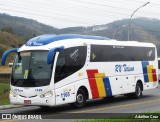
(51, 70)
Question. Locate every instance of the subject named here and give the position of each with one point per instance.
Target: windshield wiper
(16, 81)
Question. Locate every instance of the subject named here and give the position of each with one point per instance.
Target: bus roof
(48, 41)
(49, 38)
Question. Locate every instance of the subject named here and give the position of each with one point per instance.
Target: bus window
(108, 53)
(159, 64)
(159, 69)
(70, 61)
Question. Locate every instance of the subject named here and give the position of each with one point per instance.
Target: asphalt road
(119, 106)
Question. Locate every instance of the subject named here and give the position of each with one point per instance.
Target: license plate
(27, 101)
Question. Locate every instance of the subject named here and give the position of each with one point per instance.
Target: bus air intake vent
(32, 96)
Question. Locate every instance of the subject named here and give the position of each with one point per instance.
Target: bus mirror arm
(52, 52)
(5, 54)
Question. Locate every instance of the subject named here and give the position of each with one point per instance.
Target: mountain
(8, 41)
(141, 29)
(29, 28)
(23, 27)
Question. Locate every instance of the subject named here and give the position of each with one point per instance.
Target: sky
(71, 13)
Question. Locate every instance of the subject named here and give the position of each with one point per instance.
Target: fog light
(12, 94)
(47, 101)
(48, 94)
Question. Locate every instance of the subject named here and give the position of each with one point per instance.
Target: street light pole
(131, 18)
(118, 29)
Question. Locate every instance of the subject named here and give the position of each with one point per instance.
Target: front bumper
(36, 100)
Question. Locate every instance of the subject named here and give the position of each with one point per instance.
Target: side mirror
(5, 54)
(52, 52)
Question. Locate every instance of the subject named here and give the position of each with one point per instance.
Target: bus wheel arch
(85, 90)
(81, 97)
(140, 82)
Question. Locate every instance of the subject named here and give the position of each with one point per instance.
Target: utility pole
(131, 18)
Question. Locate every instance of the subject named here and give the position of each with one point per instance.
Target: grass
(130, 118)
(5, 78)
(3, 87)
(4, 99)
(4, 94)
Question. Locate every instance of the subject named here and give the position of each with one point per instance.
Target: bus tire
(80, 99)
(138, 91)
(44, 107)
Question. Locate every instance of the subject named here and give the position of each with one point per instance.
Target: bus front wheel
(80, 99)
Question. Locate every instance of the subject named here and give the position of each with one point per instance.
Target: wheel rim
(80, 98)
(138, 91)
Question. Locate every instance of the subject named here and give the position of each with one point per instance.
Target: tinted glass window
(69, 61)
(102, 53)
(158, 64)
(31, 69)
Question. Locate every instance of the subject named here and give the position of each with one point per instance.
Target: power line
(114, 6)
(46, 12)
(41, 16)
(71, 18)
(71, 12)
(82, 9)
(80, 1)
(52, 13)
(104, 5)
(154, 4)
(118, 13)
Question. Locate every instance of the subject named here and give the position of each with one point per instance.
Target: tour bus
(51, 70)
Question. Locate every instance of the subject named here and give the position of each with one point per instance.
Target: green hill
(8, 41)
(23, 27)
(142, 29)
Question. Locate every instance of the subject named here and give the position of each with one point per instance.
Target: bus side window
(60, 67)
(69, 61)
(75, 59)
(107, 53)
(158, 63)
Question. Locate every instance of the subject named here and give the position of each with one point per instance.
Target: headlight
(48, 94)
(12, 94)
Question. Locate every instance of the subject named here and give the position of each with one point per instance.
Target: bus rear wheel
(138, 91)
(80, 99)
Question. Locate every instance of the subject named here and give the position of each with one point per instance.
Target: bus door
(69, 61)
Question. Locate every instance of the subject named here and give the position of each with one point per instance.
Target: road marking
(105, 108)
(8, 120)
(119, 106)
(94, 109)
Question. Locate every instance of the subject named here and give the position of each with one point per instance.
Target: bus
(51, 70)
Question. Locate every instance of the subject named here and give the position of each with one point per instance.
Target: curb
(10, 106)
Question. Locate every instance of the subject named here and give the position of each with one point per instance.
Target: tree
(8, 29)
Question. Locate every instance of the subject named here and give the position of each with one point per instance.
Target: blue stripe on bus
(107, 86)
(144, 68)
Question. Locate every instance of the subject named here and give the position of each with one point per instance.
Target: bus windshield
(31, 69)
